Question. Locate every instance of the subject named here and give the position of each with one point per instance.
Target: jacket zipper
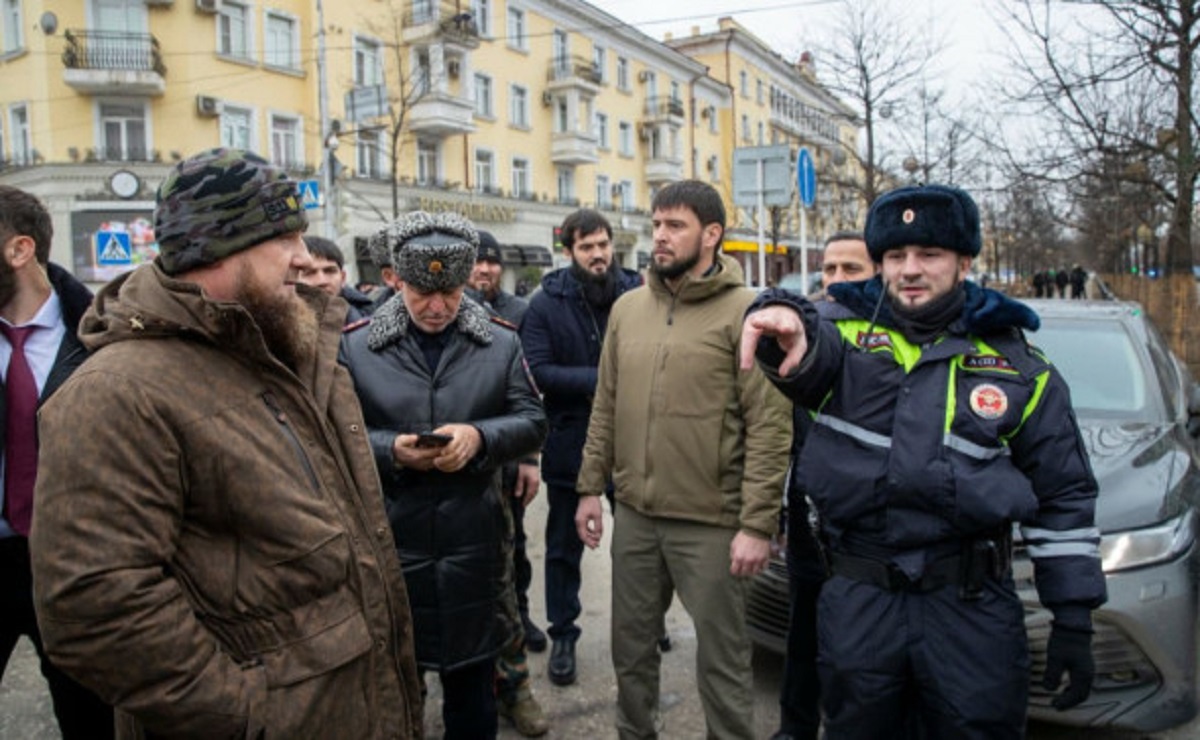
(281, 418)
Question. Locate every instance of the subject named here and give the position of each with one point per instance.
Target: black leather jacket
(447, 526)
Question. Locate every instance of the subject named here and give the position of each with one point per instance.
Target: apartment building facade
(513, 112)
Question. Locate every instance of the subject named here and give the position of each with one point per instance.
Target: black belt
(887, 575)
(977, 561)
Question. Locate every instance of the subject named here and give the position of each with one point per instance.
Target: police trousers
(929, 662)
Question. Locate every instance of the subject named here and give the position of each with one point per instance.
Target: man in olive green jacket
(210, 550)
(697, 452)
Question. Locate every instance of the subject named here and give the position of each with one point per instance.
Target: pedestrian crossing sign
(113, 248)
(310, 193)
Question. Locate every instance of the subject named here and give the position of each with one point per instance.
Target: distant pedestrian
(1040, 279)
(1078, 282)
(1062, 278)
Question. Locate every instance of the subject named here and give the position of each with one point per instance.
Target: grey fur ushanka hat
(430, 252)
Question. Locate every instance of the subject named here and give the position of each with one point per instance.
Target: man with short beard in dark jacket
(562, 333)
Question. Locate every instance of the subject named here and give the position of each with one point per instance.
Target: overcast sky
(791, 27)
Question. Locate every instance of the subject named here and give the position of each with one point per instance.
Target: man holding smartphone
(433, 362)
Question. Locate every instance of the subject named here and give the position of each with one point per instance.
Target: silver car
(1139, 412)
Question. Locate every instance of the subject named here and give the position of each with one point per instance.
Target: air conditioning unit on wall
(208, 6)
(547, 98)
(207, 106)
(160, 3)
(644, 75)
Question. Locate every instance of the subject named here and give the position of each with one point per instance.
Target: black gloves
(1070, 650)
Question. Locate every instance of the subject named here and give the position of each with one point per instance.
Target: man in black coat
(562, 333)
(40, 309)
(328, 272)
(447, 400)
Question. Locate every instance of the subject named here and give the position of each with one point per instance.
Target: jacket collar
(390, 323)
(985, 311)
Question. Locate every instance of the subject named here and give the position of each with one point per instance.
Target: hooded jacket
(562, 335)
(684, 433)
(447, 526)
(210, 551)
(915, 448)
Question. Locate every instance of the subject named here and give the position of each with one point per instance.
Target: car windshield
(1102, 366)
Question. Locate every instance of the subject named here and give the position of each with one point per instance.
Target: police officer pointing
(936, 427)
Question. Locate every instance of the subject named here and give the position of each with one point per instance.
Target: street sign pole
(804, 246)
(762, 217)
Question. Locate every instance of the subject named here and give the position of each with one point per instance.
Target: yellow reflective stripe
(1036, 398)
(951, 397)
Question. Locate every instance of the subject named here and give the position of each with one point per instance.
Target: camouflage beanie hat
(219, 202)
(431, 252)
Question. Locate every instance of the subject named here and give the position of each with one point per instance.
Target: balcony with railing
(663, 169)
(449, 21)
(441, 114)
(573, 147)
(664, 109)
(567, 72)
(113, 63)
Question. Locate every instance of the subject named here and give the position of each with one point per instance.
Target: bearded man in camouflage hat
(448, 401)
(211, 555)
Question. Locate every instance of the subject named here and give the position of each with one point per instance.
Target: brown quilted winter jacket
(210, 551)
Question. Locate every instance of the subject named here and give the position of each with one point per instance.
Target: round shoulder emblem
(989, 401)
(908, 216)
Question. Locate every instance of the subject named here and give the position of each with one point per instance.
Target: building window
(18, 127)
(714, 168)
(744, 84)
(622, 73)
(13, 26)
(233, 27)
(761, 135)
(482, 12)
(483, 96)
(236, 127)
(516, 29)
(758, 92)
(368, 155)
(522, 186)
(428, 163)
(560, 49)
(603, 192)
(745, 127)
(485, 171)
(280, 39)
(601, 130)
(712, 119)
(562, 119)
(518, 106)
(626, 195)
(423, 75)
(651, 85)
(566, 185)
(675, 92)
(123, 132)
(600, 62)
(625, 138)
(367, 68)
(285, 141)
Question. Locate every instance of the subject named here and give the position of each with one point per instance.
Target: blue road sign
(113, 248)
(806, 178)
(310, 193)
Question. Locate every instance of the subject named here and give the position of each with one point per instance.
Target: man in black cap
(936, 427)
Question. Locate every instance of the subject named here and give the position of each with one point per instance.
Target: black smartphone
(429, 439)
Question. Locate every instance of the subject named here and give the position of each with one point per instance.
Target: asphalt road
(584, 710)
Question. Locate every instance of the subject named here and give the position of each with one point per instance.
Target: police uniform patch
(986, 362)
(435, 266)
(873, 340)
(280, 208)
(989, 401)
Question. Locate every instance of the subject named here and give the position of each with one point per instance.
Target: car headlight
(1138, 548)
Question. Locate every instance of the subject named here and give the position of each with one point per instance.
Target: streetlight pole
(329, 226)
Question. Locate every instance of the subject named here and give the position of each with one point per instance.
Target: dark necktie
(20, 454)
